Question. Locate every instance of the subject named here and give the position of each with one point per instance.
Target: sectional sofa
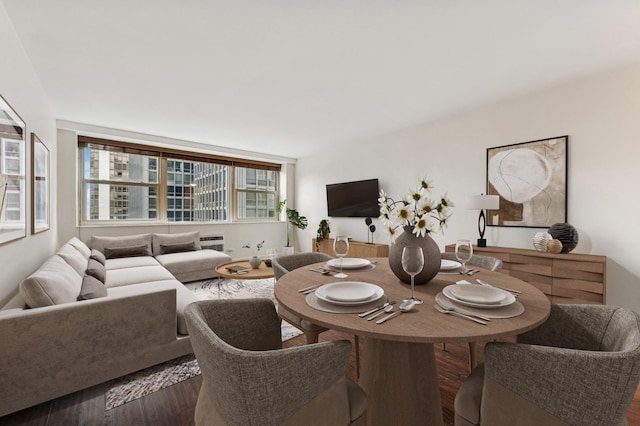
(91, 313)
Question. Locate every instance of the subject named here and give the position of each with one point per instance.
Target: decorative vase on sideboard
(431, 256)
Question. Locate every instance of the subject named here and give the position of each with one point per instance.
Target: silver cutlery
(377, 308)
(383, 311)
(458, 314)
(323, 271)
(310, 288)
(473, 271)
(510, 290)
(406, 306)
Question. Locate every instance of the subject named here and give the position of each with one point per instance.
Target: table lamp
(482, 202)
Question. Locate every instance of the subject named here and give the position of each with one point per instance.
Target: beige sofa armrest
(51, 351)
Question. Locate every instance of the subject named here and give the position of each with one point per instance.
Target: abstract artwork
(12, 174)
(531, 180)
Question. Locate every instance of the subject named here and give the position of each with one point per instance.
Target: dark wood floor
(175, 405)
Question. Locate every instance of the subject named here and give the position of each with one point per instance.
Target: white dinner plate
(448, 265)
(508, 298)
(478, 294)
(321, 293)
(349, 263)
(350, 291)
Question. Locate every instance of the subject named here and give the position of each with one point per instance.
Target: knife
(388, 317)
(377, 308)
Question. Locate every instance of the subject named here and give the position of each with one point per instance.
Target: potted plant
(294, 219)
(323, 232)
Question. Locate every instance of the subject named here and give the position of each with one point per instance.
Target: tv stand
(356, 248)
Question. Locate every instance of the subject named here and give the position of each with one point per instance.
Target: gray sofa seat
(137, 274)
(193, 265)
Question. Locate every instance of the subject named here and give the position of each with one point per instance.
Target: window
(127, 184)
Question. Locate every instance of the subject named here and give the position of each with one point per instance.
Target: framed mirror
(12, 174)
(39, 185)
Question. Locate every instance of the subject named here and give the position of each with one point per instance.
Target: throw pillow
(177, 248)
(91, 288)
(181, 238)
(98, 255)
(133, 251)
(96, 270)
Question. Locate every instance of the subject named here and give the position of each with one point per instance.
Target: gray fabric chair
(248, 379)
(485, 262)
(283, 264)
(580, 367)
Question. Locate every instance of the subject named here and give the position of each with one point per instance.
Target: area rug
(144, 382)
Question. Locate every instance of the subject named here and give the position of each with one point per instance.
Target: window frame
(164, 155)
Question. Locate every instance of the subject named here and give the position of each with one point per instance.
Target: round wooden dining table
(398, 367)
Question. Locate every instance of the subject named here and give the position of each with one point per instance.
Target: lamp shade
(483, 202)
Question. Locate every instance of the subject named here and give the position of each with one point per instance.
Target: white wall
(20, 86)
(601, 116)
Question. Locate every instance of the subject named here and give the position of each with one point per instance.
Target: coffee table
(263, 271)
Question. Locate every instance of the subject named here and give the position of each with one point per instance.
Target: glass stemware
(412, 263)
(341, 248)
(464, 252)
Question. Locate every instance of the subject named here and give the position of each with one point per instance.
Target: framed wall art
(531, 180)
(39, 185)
(12, 174)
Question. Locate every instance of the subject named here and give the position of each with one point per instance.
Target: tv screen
(353, 199)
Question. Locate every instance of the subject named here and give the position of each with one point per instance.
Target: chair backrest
(283, 264)
(247, 377)
(486, 262)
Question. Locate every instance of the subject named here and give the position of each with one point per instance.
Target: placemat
(513, 310)
(321, 305)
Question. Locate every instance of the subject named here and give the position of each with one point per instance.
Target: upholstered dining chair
(248, 379)
(283, 264)
(580, 367)
(479, 261)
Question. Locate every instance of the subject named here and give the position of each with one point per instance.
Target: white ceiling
(287, 76)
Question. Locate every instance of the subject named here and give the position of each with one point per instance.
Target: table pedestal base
(401, 383)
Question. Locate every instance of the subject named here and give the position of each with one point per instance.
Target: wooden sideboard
(563, 277)
(356, 248)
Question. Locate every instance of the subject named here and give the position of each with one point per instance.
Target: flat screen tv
(353, 199)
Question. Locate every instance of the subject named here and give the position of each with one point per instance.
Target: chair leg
(311, 336)
(473, 356)
(357, 343)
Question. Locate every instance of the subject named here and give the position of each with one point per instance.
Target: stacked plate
(449, 265)
(349, 293)
(349, 263)
(478, 296)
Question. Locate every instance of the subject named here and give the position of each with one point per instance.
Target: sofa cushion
(92, 288)
(130, 251)
(177, 248)
(169, 239)
(97, 270)
(100, 243)
(80, 246)
(130, 262)
(73, 257)
(193, 265)
(98, 255)
(142, 274)
(53, 283)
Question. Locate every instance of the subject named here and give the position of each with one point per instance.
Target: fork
(456, 313)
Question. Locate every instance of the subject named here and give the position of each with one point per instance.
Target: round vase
(430, 250)
(255, 262)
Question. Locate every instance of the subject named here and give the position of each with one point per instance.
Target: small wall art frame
(531, 180)
(39, 185)
(13, 131)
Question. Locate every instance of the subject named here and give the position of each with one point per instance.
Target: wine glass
(412, 263)
(341, 248)
(464, 251)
